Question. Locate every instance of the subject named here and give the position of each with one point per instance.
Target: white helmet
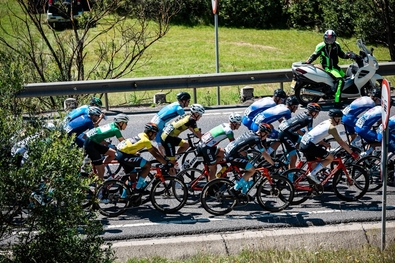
(121, 118)
(197, 108)
(93, 110)
(235, 117)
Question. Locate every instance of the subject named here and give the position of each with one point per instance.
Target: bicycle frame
(340, 166)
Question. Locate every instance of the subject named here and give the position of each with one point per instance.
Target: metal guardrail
(169, 82)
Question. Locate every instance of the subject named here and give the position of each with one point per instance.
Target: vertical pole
(217, 56)
(384, 176)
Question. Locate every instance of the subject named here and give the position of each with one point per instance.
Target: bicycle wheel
(276, 195)
(15, 216)
(302, 187)
(216, 197)
(372, 164)
(351, 188)
(109, 201)
(195, 180)
(169, 196)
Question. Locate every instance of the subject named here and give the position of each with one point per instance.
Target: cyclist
(170, 112)
(290, 130)
(356, 108)
(261, 105)
(84, 110)
(171, 131)
(236, 151)
(276, 113)
(364, 127)
(208, 147)
(79, 125)
(21, 148)
(129, 158)
(96, 146)
(310, 140)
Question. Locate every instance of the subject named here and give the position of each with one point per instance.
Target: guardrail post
(246, 93)
(106, 100)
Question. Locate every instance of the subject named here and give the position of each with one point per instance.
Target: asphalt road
(146, 222)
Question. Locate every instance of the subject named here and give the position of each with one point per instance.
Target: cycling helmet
(235, 117)
(121, 118)
(151, 127)
(280, 93)
(197, 108)
(264, 127)
(93, 110)
(183, 96)
(313, 107)
(329, 37)
(292, 100)
(376, 93)
(335, 113)
(96, 101)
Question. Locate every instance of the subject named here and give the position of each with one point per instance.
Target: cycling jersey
(296, 123)
(270, 115)
(101, 133)
(319, 132)
(165, 115)
(176, 127)
(366, 121)
(352, 111)
(83, 110)
(248, 140)
(217, 134)
(135, 144)
(255, 108)
(78, 126)
(391, 131)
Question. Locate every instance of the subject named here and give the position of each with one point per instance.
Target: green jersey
(101, 133)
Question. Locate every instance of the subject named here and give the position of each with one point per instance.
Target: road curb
(311, 238)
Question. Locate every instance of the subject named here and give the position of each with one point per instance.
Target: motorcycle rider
(329, 52)
(258, 106)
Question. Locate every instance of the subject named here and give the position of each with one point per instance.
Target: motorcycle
(311, 82)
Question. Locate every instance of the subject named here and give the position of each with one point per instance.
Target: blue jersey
(366, 121)
(391, 131)
(83, 110)
(271, 115)
(78, 126)
(165, 115)
(255, 108)
(352, 111)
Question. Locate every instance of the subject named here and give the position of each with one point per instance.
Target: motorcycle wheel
(305, 99)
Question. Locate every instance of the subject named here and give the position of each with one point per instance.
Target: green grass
(191, 50)
(365, 254)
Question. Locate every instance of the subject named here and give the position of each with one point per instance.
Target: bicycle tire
(15, 216)
(372, 164)
(354, 191)
(188, 176)
(216, 198)
(109, 201)
(169, 196)
(302, 187)
(276, 195)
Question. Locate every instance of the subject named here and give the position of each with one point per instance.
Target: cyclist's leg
(244, 184)
(312, 152)
(210, 158)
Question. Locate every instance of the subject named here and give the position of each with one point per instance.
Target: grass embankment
(362, 255)
(186, 50)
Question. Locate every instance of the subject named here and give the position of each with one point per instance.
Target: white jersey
(319, 132)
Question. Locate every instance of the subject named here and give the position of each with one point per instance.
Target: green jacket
(329, 55)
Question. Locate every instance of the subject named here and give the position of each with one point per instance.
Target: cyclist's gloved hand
(354, 155)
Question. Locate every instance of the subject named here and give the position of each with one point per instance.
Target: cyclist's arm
(333, 131)
(197, 132)
(267, 157)
(155, 152)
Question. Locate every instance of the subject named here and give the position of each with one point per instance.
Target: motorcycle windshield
(362, 47)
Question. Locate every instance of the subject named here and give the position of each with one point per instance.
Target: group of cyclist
(295, 132)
